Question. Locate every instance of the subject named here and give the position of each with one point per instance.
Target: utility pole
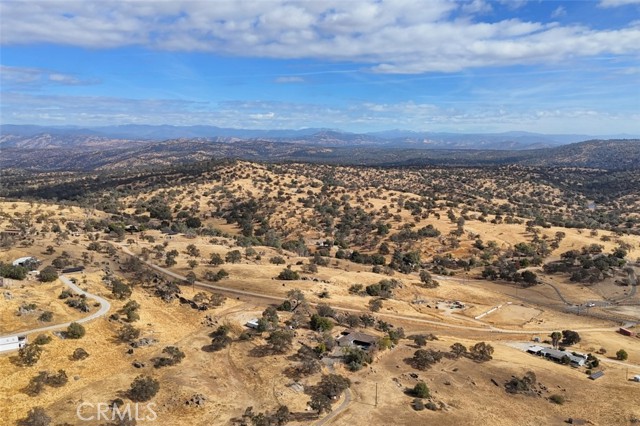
(376, 394)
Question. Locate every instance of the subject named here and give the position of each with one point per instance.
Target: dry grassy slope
(44, 296)
(471, 398)
(232, 380)
(250, 180)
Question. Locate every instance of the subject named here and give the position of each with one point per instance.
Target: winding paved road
(105, 306)
(343, 406)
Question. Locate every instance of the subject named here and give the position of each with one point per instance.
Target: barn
(12, 343)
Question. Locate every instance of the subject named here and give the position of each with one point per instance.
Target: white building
(12, 343)
(24, 260)
(252, 323)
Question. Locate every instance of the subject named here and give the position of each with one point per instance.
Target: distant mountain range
(119, 154)
(42, 137)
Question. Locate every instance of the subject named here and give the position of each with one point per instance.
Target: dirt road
(271, 299)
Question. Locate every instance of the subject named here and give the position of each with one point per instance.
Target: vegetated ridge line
(271, 298)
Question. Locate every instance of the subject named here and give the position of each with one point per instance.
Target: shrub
(79, 304)
(421, 390)
(431, 406)
(356, 358)
(37, 416)
(418, 404)
(234, 256)
(120, 290)
(65, 294)
(425, 358)
(174, 356)
(481, 352)
(143, 388)
(319, 323)
(37, 383)
(127, 333)
(42, 339)
(46, 316)
(221, 341)
(280, 340)
(622, 355)
(557, 399)
(375, 305)
(29, 354)
(48, 274)
(288, 275)
(13, 272)
(277, 260)
(79, 354)
(215, 259)
(75, 331)
(570, 337)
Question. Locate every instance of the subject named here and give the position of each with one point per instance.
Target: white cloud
(476, 117)
(513, 4)
(476, 7)
(559, 12)
(401, 36)
(36, 77)
(289, 79)
(617, 3)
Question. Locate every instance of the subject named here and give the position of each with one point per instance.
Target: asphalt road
(105, 306)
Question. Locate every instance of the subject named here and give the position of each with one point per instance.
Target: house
(575, 359)
(25, 261)
(355, 338)
(12, 343)
(535, 350)
(252, 323)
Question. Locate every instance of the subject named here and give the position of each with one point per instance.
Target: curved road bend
(343, 406)
(270, 298)
(104, 309)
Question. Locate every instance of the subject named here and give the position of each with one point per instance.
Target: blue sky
(431, 65)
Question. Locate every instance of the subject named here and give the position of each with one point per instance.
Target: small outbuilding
(626, 332)
(73, 269)
(252, 323)
(596, 375)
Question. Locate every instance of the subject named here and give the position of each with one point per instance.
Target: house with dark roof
(356, 338)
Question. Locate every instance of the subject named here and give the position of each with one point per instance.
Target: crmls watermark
(88, 411)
